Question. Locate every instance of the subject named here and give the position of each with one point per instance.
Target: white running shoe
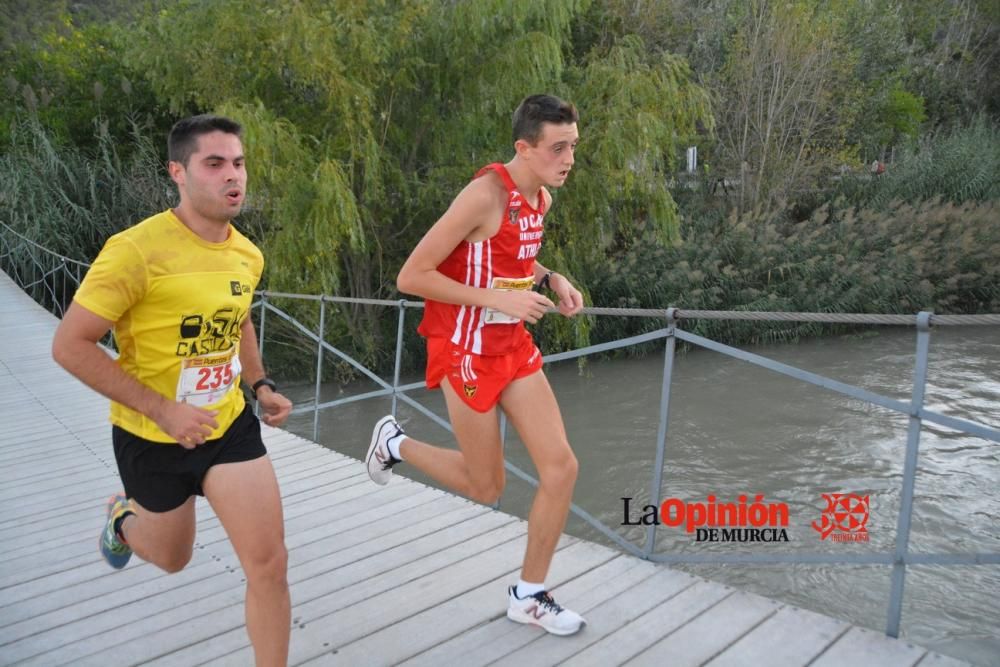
(541, 610)
(379, 460)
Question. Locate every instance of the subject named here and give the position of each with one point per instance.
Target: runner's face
(214, 181)
(553, 156)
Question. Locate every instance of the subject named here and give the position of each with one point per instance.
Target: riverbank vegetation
(364, 118)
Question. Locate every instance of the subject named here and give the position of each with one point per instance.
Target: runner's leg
(531, 407)
(477, 470)
(165, 539)
(246, 499)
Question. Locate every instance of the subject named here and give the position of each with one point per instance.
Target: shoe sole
(371, 448)
(530, 621)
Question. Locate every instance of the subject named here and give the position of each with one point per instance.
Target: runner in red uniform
(476, 269)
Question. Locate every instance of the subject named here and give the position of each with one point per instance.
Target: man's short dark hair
(183, 139)
(535, 110)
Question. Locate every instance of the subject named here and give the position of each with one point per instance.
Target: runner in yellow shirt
(177, 289)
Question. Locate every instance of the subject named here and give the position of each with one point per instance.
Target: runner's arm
(472, 210)
(419, 275)
(276, 406)
(74, 347)
(570, 299)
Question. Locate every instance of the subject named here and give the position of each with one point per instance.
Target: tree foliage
(364, 118)
(930, 255)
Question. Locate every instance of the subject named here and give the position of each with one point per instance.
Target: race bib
(205, 380)
(507, 284)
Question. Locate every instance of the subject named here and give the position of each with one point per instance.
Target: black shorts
(161, 476)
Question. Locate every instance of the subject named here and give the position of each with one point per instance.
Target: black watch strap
(544, 282)
(263, 382)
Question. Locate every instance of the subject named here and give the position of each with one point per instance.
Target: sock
(118, 525)
(525, 589)
(393, 444)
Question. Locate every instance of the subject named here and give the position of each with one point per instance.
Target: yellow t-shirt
(178, 302)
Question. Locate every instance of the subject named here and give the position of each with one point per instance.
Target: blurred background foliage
(365, 117)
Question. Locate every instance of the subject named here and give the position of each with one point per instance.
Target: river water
(738, 429)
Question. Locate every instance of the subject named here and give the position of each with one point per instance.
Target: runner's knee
(175, 560)
(267, 566)
(487, 493)
(559, 472)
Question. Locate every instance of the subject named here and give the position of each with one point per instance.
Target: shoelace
(547, 602)
(392, 459)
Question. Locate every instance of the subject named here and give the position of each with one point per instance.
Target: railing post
(909, 476)
(399, 353)
(319, 367)
(661, 430)
(260, 339)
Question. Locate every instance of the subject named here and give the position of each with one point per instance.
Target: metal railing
(48, 277)
(49, 265)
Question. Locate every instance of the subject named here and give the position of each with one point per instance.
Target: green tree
(780, 101)
(72, 77)
(365, 118)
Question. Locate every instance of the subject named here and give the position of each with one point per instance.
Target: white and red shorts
(479, 379)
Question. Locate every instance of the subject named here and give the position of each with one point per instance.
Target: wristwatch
(263, 382)
(544, 282)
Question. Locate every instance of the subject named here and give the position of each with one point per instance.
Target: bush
(933, 255)
(957, 166)
(70, 199)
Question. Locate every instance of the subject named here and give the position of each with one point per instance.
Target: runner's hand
(190, 426)
(523, 304)
(275, 406)
(570, 299)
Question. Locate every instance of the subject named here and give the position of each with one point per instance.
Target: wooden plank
(55, 521)
(47, 547)
(33, 426)
(81, 476)
(937, 660)
(66, 467)
(790, 637)
(649, 628)
(139, 573)
(28, 582)
(84, 475)
(60, 498)
(174, 642)
(64, 643)
(460, 613)
(709, 633)
(499, 636)
(353, 613)
(355, 572)
(863, 646)
(605, 618)
(215, 598)
(38, 445)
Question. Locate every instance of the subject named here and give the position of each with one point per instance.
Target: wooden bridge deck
(404, 574)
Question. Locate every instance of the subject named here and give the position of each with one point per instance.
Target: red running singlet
(504, 261)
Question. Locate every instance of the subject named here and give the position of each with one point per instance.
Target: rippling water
(736, 428)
